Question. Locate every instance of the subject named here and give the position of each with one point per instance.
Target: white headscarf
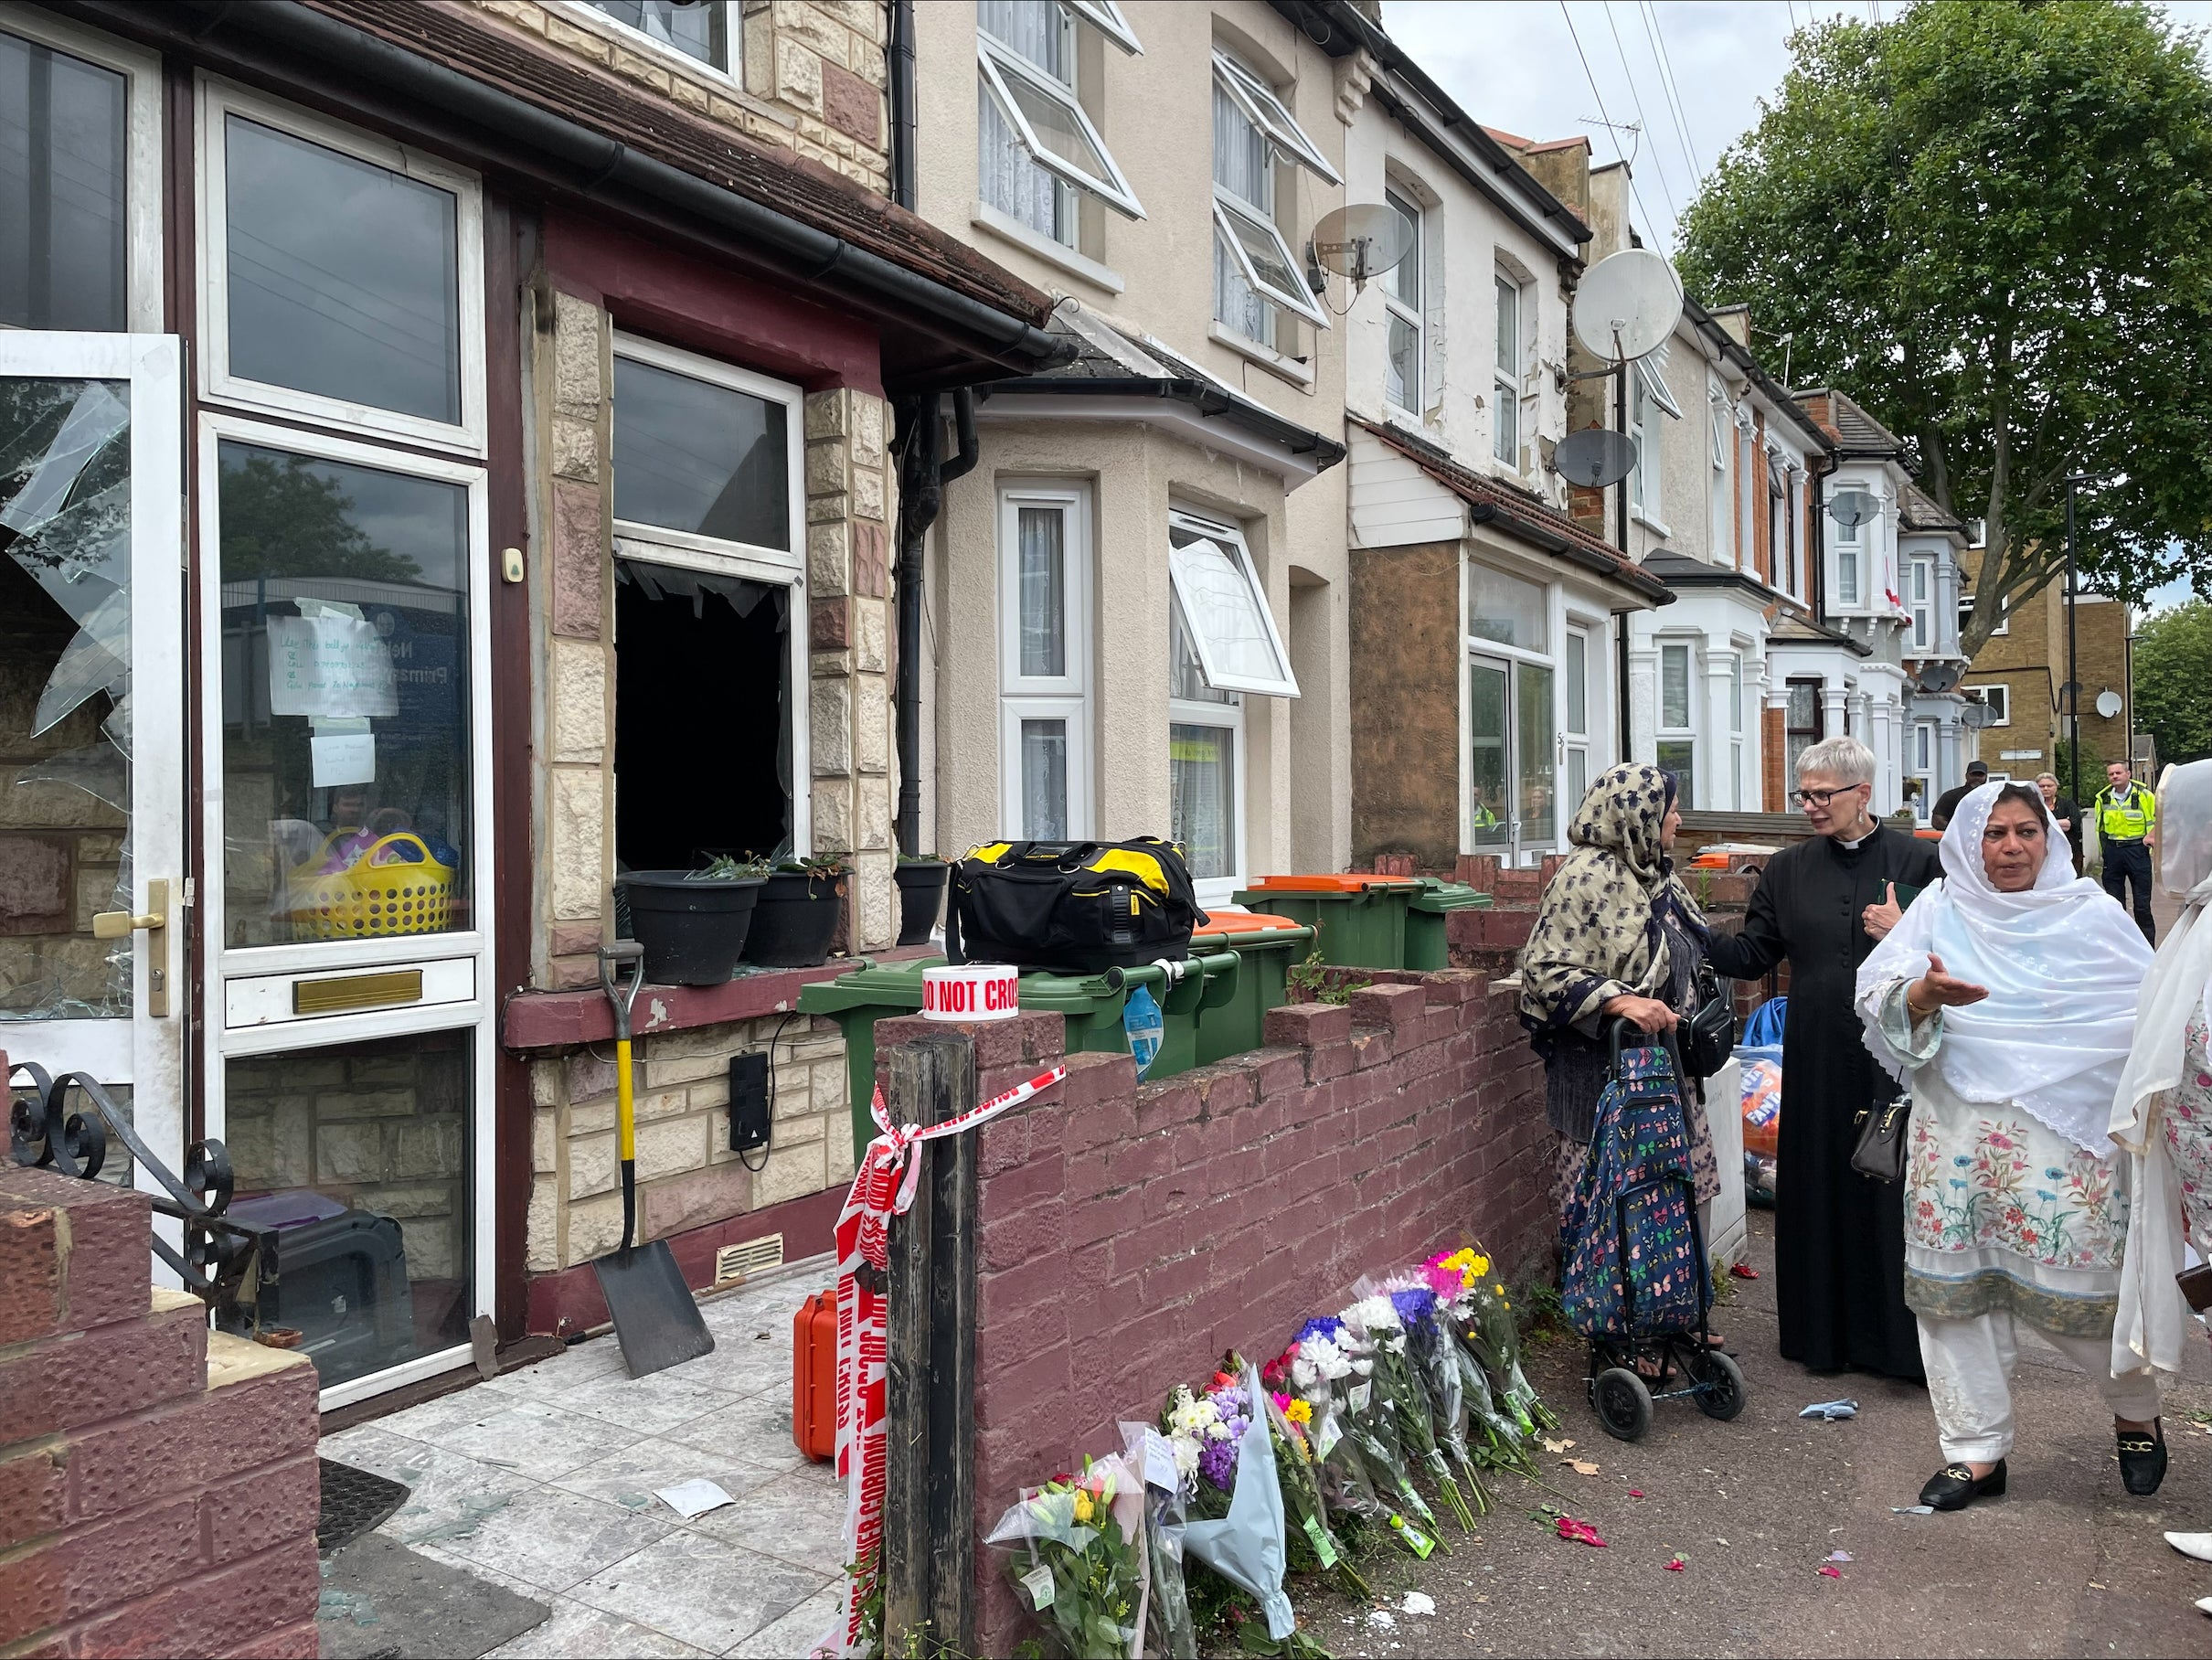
(2062, 963)
(2147, 1334)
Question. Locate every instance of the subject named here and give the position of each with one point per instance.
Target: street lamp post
(2073, 681)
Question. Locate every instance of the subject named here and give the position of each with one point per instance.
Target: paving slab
(383, 1602)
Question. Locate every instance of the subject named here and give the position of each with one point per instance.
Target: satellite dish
(1595, 457)
(1941, 676)
(1361, 242)
(1851, 507)
(2108, 704)
(1627, 304)
(1974, 715)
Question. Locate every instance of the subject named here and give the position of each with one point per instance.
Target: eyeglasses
(1819, 798)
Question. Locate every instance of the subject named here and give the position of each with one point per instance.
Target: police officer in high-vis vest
(2127, 828)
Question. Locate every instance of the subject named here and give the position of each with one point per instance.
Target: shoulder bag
(1707, 1035)
(1879, 1153)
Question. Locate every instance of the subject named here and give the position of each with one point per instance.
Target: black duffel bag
(1075, 907)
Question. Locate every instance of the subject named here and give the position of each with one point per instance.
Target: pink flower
(1675, 1566)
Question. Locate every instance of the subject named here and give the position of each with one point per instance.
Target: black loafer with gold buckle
(2143, 1460)
(1954, 1486)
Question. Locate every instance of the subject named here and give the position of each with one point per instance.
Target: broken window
(65, 696)
(709, 733)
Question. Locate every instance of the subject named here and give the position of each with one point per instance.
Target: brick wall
(158, 1482)
(1220, 1209)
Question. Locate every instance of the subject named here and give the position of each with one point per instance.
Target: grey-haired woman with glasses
(1839, 1238)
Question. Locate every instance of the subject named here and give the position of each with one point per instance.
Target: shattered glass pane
(65, 683)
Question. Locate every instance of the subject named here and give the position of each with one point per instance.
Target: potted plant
(921, 893)
(796, 918)
(694, 924)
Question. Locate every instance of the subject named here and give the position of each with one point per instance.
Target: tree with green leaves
(1990, 224)
(2173, 681)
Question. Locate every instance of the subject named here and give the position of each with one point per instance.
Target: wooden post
(929, 1539)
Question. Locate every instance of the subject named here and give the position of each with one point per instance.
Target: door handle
(155, 922)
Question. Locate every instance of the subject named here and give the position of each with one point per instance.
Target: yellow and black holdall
(1075, 908)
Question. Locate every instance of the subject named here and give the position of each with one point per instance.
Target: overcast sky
(1689, 74)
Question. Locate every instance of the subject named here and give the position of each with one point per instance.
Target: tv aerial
(1361, 242)
(1596, 457)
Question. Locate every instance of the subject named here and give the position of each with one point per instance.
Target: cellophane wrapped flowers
(1169, 1629)
(1377, 1315)
(1076, 1550)
(1432, 1355)
(1343, 1363)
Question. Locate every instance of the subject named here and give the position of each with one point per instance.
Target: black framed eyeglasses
(1801, 799)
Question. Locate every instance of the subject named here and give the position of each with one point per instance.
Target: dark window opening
(702, 721)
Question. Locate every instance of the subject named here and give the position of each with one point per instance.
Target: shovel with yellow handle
(656, 1318)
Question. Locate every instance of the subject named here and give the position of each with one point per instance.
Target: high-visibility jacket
(2125, 815)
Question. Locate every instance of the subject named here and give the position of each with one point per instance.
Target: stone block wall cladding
(158, 1482)
(807, 75)
(850, 500)
(687, 1175)
(1219, 1209)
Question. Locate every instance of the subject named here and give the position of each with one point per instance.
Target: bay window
(1850, 555)
(1043, 662)
(1920, 598)
(1677, 747)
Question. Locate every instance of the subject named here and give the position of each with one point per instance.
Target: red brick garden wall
(158, 1484)
(1130, 1233)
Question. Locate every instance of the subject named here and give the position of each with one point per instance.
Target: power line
(1652, 28)
(1672, 213)
(1604, 115)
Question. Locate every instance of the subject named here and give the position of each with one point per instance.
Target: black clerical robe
(1839, 1238)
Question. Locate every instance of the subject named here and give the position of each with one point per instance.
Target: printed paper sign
(343, 757)
(331, 665)
(1038, 1581)
(1160, 1463)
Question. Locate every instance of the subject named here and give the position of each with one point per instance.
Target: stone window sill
(549, 1020)
(1075, 263)
(1276, 363)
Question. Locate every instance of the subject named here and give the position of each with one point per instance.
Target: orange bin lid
(1242, 921)
(1329, 884)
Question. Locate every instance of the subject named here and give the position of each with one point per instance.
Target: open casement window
(1263, 259)
(1655, 384)
(710, 609)
(1028, 84)
(1272, 117)
(1218, 593)
(1105, 16)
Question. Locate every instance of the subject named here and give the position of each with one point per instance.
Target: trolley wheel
(1724, 1394)
(1623, 1403)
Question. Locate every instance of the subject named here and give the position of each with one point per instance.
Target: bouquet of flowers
(1169, 1622)
(1291, 1418)
(1077, 1549)
(1377, 1317)
(1496, 1438)
(1435, 1365)
(1333, 1372)
(1496, 1341)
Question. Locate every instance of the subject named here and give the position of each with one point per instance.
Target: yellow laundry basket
(367, 899)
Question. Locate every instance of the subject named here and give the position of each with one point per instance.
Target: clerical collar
(1855, 846)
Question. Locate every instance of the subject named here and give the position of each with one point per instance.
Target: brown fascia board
(1777, 393)
(1340, 29)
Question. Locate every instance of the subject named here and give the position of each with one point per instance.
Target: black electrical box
(748, 1102)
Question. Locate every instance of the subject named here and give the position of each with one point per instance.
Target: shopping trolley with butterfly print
(1634, 1274)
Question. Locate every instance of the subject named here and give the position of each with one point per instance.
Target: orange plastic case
(1330, 884)
(814, 1375)
(1242, 922)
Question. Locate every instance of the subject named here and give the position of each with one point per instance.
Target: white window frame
(1266, 111)
(996, 61)
(1229, 208)
(1398, 309)
(1919, 599)
(1645, 477)
(226, 965)
(714, 556)
(1686, 733)
(2004, 615)
(1572, 742)
(1998, 701)
(1064, 697)
(1106, 16)
(1230, 539)
(1721, 449)
(1505, 378)
(143, 130)
(1850, 550)
(219, 99)
(733, 36)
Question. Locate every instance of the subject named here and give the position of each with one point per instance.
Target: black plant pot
(921, 894)
(796, 920)
(693, 931)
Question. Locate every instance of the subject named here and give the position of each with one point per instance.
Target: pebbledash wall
(1220, 1209)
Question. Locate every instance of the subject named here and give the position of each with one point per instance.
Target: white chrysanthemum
(1303, 1372)
(1186, 1456)
(1373, 1315)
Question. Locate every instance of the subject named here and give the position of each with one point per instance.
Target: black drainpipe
(902, 102)
(923, 471)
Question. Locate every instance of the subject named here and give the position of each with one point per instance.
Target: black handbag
(1707, 1035)
(1879, 1153)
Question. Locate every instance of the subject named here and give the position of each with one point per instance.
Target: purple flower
(1415, 1308)
(1328, 1326)
(1218, 1459)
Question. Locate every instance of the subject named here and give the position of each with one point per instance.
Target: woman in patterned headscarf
(1616, 934)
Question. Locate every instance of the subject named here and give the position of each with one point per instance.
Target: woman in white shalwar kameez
(2005, 1000)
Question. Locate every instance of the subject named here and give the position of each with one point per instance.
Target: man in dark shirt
(2064, 813)
(1947, 804)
